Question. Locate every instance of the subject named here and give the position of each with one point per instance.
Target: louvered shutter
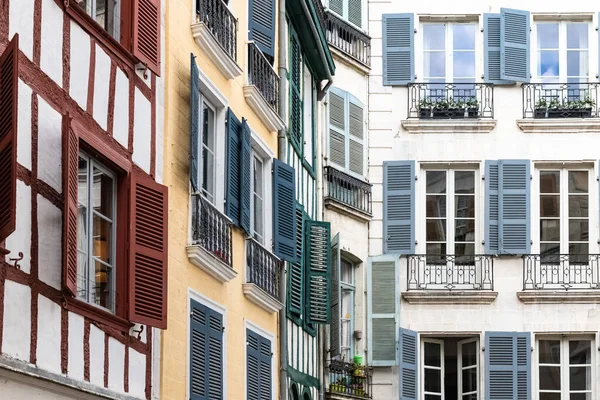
(399, 207)
(492, 54)
(398, 49)
(258, 366)
(9, 85)
(148, 251)
(284, 208)
(233, 195)
(318, 248)
(296, 269)
(206, 353)
(70, 184)
(337, 127)
(246, 176)
(356, 128)
(508, 365)
(146, 33)
(514, 45)
(383, 299)
(409, 345)
(215, 355)
(194, 123)
(296, 107)
(337, 6)
(335, 329)
(514, 206)
(491, 207)
(355, 12)
(262, 25)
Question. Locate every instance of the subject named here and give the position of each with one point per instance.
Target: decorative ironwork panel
(211, 229)
(263, 268)
(348, 39)
(220, 21)
(450, 100)
(560, 100)
(450, 272)
(350, 378)
(347, 190)
(561, 271)
(262, 75)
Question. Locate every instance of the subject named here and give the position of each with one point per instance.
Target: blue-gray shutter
(335, 328)
(318, 264)
(514, 206)
(206, 353)
(284, 211)
(492, 52)
(514, 45)
(409, 345)
(296, 270)
(194, 122)
(262, 25)
(491, 207)
(234, 160)
(398, 49)
(507, 366)
(399, 207)
(258, 367)
(246, 177)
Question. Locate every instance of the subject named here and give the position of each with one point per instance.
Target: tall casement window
(349, 10)
(347, 308)
(96, 233)
(106, 13)
(258, 198)
(565, 368)
(208, 135)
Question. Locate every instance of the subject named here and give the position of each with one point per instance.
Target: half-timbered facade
(83, 212)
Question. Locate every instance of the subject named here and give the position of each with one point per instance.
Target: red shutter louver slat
(70, 165)
(148, 252)
(146, 33)
(9, 81)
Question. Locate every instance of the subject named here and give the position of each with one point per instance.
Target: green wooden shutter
(296, 269)
(514, 45)
(261, 25)
(206, 353)
(284, 211)
(194, 123)
(491, 207)
(318, 248)
(409, 361)
(265, 358)
(398, 49)
(399, 207)
(383, 298)
(296, 106)
(246, 176)
(356, 129)
(514, 206)
(508, 365)
(234, 160)
(335, 329)
(337, 127)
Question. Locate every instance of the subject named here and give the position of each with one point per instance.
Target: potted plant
(548, 109)
(339, 386)
(472, 107)
(581, 108)
(425, 106)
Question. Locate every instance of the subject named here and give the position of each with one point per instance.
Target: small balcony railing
(560, 100)
(211, 229)
(348, 39)
(561, 271)
(450, 272)
(220, 21)
(450, 100)
(263, 268)
(262, 75)
(347, 190)
(350, 379)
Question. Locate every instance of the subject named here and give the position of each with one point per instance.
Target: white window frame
(460, 367)
(249, 325)
(348, 287)
(91, 268)
(261, 150)
(422, 366)
(344, 17)
(204, 102)
(92, 5)
(253, 192)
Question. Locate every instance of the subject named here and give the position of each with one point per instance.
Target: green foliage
(449, 103)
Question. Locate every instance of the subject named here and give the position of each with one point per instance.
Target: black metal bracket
(139, 332)
(16, 260)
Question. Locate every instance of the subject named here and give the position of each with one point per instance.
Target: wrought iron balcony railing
(450, 272)
(345, 189)
(262, 75)
(450, 100)
(561, 271)
(350, 379)
(263, 268)
(348, 39)
(221, 23)
(560, 100)
(211, 229)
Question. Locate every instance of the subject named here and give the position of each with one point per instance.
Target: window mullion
(449, 53)
(562, 52)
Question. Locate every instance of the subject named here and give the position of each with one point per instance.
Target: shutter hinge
(481, 29)
(223, 329)
(530, 177)
(483, 242)
(416, 178)
(483, 177)
(415, 30)
(598, 178)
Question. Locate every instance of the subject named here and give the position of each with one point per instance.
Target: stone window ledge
(261, 298)
(210, 264)
(449, 126)
(207, 42)
(450, 297)
(560, 296)
(559, 125)
(340, 207)
(259, 105)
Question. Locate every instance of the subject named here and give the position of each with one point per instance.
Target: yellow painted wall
(179, 44)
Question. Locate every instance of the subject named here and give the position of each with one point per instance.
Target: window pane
(577, 35)
(436, 181)
(581, 396)
(549, 351)
(547, 36)
(103, 241)
(102, 290)
(550, 230)
(258, 217)
(436, 230)
(578, 230)
(549, 182)
(436, 206)
(578, 253)
(550, 378)
(82, 189)
(434, 37)
(432, 397)
(346, 272)
(580, 378)
(549, 206)
(547, 250)
(577, 63)
(469, 380)
(436, 249)
(578, 181)
(465, 206)
(464, 230)
(548, 64)
(433, 380)
(463, 64)
(464, 182)
(469, 354)
(464, 36)
(102, 193)
(580, 352)
(434, 65)
(464, 249)
(549, 396)
(578, 206)
(207, 173)
(432, 354)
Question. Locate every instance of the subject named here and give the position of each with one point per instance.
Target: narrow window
(258, 191)
(207, 124)
(347, 308)
(106, 13)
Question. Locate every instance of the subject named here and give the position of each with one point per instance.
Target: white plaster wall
(137, 373)
(121, 115)
(80, 64)
(50, 240)
(141, 131)
(49, 145)
(51, 59)
(24, 126)
(16, 333)
(101, 87)
(96, 356)
(20, 239)
(20, 20)
(116, 365)
(48, 345)
(76, 365)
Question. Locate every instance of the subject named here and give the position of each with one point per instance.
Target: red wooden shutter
(9, 81)
(148, 252)
(146, 33)
(70, 165)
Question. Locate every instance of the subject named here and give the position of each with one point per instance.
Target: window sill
(207, 42)
(258, 104)
(97, 314)
(449, 126)
(335, 205)
(559, 125)
(559, 296)
(261, 298)
(329, 395)
(210, 264)
(349, 61)
(450, 297)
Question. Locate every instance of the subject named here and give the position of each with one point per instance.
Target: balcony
(442, 279)
(349, 381)
(349, 40)
(262, 276)
(348, 194)
(215, 31)
(262, 90)
(211, 248)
